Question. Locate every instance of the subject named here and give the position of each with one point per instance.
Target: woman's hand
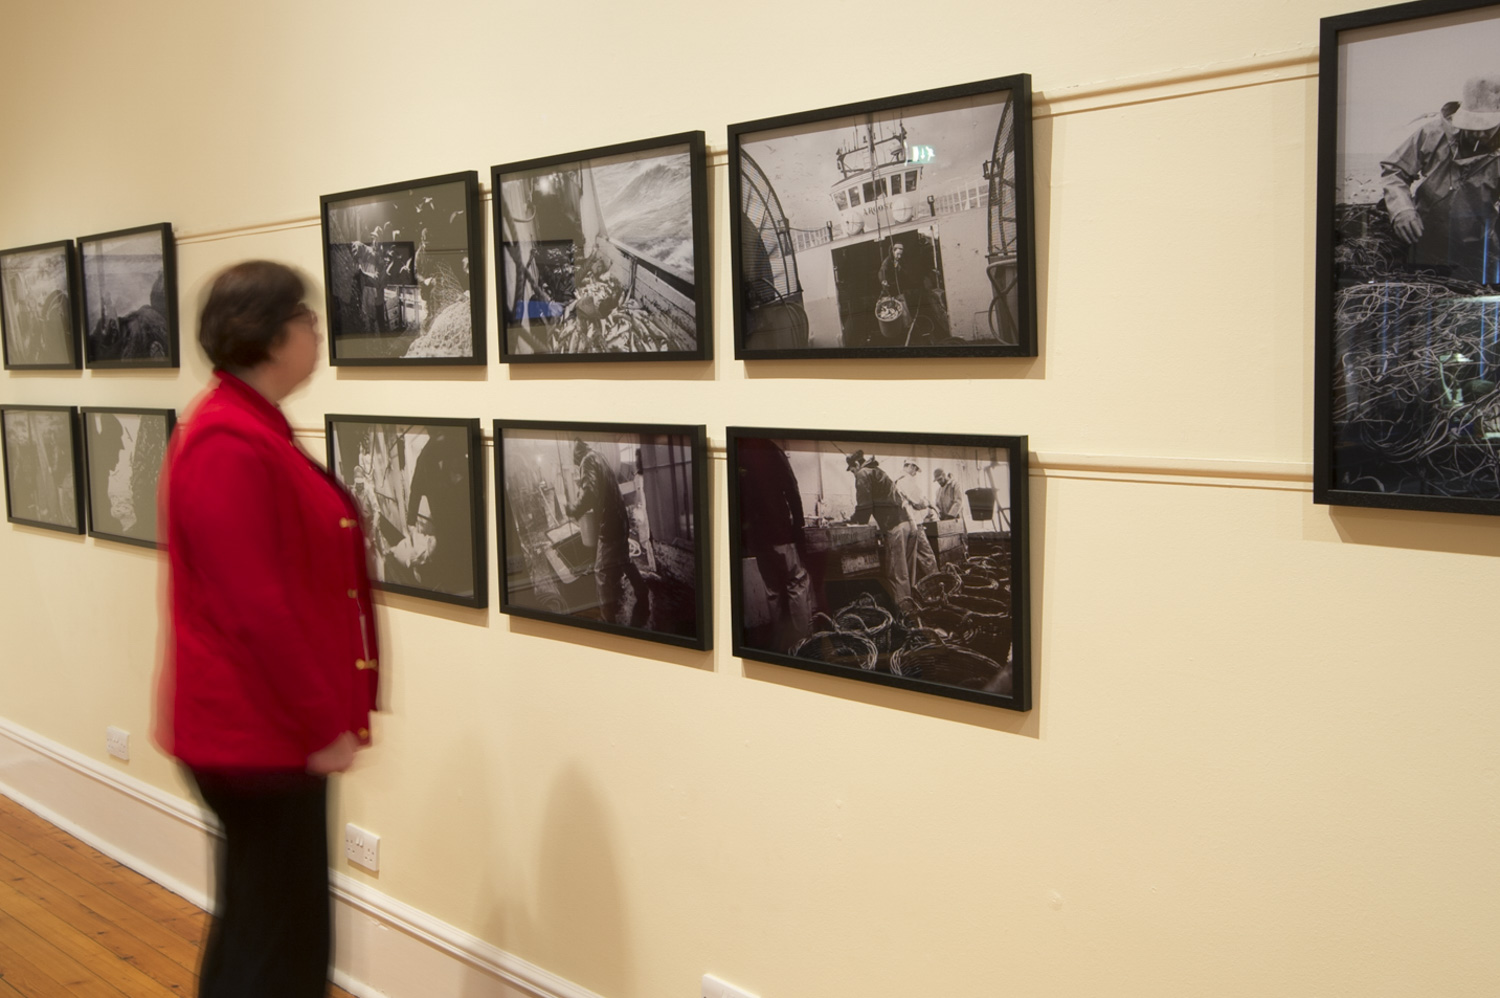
(335, 757)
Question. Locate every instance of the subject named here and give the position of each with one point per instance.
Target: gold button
(344, 521)
(360, 663)
(353, 593)
(364, 732)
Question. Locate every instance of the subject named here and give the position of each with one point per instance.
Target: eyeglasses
(304, 314)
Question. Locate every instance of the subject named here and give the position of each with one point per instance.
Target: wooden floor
(74, 922)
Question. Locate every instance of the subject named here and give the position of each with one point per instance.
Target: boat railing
(963, 198)
(640, 261)
(966, 196)
(806, 239)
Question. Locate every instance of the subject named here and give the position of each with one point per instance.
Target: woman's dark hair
(248, 307)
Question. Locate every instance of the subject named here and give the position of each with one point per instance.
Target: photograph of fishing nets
(1407, 407)
(36, 307)
(42, 467)
(603, 254)
(605, 526)
(129, 283)
(402, 264)
(420, 490)
(894, 558)
(893, 227)
(123, 454)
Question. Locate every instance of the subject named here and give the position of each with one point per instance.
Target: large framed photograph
(899, 227)
(605, 526)
(37, 307)
(1407, 406)
(403, 266)
(123, 451)
(420, 489)
(129, 280)
(42, 467)
(893, 558)
(603, 254)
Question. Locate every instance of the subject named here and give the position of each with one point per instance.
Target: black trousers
(272, 928)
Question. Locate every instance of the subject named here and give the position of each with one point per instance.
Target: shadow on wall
(614, 643)
(1041, 197)
(485, 808)
(571, 918)
(1450, 533)
(673, 370)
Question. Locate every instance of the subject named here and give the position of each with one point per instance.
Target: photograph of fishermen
(41, 479)
(896, 229)
(36, 307)
(878, 558)
(399, 272)
(415, 484)
(128, 316)
(1416, 260)
(597, 256)
(601, 526)
(125, 452)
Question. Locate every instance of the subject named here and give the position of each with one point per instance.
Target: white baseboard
(384, 948)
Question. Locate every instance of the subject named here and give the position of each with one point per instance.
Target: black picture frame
(818, 274)
(32, 438)
(112, 435)
(549, 555)
(400, 262)
(128, 298)
(919, 582)
(636, 213)
(1406, 410)
(39, 307)
(435, 561)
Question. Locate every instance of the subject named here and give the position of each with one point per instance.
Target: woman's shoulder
(221, 410)
(214, 433)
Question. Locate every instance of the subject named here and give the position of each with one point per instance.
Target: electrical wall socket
(362, 848)
(715, 988)
(117, 742)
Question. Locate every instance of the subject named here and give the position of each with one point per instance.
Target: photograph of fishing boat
(1407, 408)
(36, 306)
(604, 526)
(895, 227)
(400, 264)
(123, 454)
(419, 487)
(129, 283)
(43, 463)
(603, 254)
(893, 558)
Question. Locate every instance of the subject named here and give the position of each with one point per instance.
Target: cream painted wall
(1263, 757)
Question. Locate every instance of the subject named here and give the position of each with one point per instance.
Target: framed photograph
(1407, 381)
(899, 227)
(42, 467)
(37, 307)
(403, 267)
(130, 298)
(603, 254)
(893, 558)
(124, 450)
(419, 484)
(605, 526)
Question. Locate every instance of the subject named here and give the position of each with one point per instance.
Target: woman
(270, 673)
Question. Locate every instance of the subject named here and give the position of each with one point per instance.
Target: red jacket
(272, 649)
